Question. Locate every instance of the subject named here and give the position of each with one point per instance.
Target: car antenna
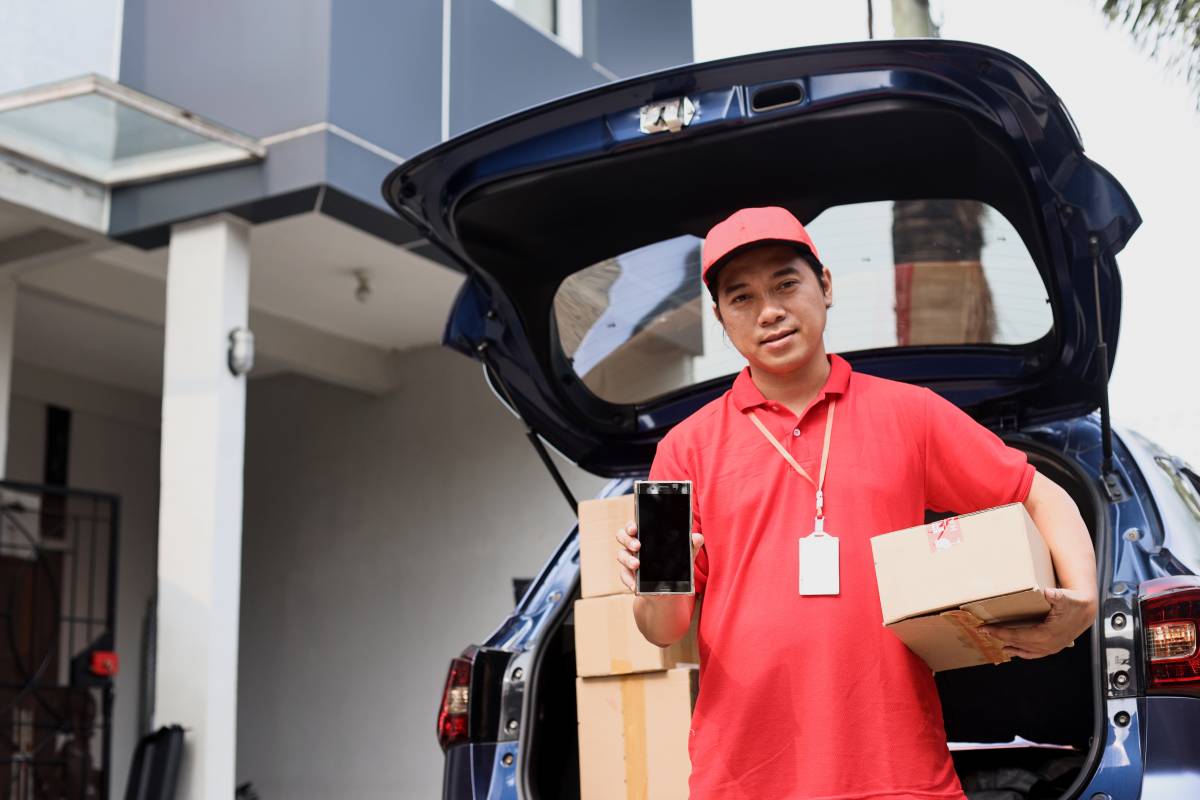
(494, 376)
(1112, 484)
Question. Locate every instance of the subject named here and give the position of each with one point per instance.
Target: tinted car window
(906, 273)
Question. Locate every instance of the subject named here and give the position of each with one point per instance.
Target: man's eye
(789, 284)
(738, 298)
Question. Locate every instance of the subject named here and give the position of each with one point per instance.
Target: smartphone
(663, 513)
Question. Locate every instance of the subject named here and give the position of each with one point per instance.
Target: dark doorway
(58, 560)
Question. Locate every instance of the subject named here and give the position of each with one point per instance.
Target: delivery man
(804, 695)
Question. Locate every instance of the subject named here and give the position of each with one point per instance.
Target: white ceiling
(97, 311)
(89, 342)
(302, 269)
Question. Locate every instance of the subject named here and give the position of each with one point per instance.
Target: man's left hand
(1071, 613)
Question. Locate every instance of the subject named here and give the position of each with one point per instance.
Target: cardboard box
(633, 735)
(599, 572)
(608, 642)
(938, 583)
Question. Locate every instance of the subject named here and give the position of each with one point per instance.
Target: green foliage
(1169, 29)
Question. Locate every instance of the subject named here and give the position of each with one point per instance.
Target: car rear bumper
(478, 772)
(1172, 748)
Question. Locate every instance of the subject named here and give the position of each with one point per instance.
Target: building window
(561, 20)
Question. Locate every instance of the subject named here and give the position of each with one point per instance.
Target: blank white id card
(819, 571)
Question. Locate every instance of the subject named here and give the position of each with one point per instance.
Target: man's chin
(782, 364)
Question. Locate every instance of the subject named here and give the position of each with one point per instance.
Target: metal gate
(58, 584)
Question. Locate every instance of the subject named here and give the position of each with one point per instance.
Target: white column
(8, 330)
(200, 504)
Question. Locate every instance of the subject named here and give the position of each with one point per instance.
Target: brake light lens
(1172, 640)
(1171, 622)
(452, 725)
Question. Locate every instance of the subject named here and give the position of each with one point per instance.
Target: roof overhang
(112, 135)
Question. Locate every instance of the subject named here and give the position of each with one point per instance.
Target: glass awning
(111, 134)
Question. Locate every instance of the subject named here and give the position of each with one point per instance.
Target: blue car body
(1041, 396)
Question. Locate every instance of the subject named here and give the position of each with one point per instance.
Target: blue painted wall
(259, 67)
(500, 64)
(373, 68)
(386, 79)
(632, 37)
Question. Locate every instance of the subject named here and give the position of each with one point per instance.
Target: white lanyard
(819, 520)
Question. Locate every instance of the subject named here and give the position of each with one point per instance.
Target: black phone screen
(664, 519)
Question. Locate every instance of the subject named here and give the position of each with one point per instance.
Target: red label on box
(943, 534)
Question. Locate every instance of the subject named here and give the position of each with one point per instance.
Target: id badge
(819, 570)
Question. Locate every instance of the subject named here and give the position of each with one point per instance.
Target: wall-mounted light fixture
(240, 355)
(362, 289)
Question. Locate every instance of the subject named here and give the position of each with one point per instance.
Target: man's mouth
(775, 337)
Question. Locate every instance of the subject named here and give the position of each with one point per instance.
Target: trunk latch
(667, 115)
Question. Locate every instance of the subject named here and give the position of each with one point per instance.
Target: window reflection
(905, 273)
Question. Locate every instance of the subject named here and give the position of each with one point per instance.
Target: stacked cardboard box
(634, 699)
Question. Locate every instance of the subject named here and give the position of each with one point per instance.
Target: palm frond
(1168, 29)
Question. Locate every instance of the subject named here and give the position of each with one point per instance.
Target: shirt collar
(746, 394)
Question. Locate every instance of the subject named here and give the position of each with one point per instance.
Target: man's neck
(797, 388)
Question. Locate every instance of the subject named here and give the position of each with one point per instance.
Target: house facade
(230, 425)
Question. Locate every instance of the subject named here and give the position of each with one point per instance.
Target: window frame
(568, 23)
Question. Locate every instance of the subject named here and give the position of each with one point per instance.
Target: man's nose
(770, 313)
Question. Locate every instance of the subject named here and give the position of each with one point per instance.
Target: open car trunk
(1038, 742)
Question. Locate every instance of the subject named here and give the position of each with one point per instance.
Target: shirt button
(796, 432)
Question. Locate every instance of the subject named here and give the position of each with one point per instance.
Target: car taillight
(452, 726)
(1170, 622)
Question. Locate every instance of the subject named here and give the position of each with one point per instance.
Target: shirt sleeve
(967, 467)
(671, 465)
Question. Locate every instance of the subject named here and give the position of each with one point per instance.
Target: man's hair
(714, 281)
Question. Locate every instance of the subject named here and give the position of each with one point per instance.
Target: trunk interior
(1044, 710)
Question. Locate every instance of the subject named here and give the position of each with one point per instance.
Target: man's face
(773, 307)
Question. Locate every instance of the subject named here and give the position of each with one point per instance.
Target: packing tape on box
(943, 535)
(969, 634)
(633, 715)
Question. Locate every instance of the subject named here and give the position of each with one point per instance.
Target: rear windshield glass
(905, 273)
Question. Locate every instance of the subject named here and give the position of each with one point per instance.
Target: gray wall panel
(289, 165)
(259, 67)
(500, 64)
(364, 571)
(371, 67)
(631, 37)
(356, 171)
(386, 83)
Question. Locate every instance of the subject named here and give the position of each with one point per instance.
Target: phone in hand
(663, 513)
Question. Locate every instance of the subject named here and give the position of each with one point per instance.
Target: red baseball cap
(750, 226)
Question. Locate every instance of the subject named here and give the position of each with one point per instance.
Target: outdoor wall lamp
(362, 287)
(240, 356)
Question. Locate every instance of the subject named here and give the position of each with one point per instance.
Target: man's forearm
(663, 620)
(1066, 535)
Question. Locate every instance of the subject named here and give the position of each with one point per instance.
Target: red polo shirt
(811, 697)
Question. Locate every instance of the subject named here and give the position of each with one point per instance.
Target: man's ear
(717, 312)
(827, 286)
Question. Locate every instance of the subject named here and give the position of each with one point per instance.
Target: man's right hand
(627, 556)
(662, 619)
